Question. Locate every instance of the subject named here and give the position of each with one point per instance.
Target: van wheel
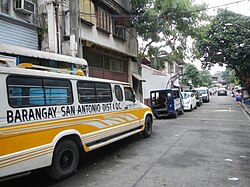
(147, 132)
(65, 160)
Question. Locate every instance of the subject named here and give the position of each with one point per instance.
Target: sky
(237, 6)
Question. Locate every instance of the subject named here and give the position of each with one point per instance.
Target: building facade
(108, 39)
(99, 31)
(160, 79)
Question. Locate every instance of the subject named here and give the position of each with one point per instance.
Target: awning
(138, 77)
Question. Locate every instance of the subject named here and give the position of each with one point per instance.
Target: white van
(48, 118)
(204, 93)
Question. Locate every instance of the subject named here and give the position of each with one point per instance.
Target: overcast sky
(238, 6)
(242, 7)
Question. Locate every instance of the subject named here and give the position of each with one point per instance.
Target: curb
(245, 108)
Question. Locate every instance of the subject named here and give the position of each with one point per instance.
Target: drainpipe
(57, 25)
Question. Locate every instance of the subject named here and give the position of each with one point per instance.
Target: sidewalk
(246, 107)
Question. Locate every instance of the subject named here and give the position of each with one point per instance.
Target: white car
(189, 100)
(204, 92)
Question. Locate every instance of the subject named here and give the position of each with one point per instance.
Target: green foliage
(205, 78)
(169, 22)
(226, 41)
(192, 74)
(226, 76)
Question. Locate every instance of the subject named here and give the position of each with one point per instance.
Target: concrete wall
(90, 33)
(155, 80)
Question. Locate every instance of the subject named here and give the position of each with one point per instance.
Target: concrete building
(160, 79)
(154, 80)
(18, 23)
(99, 31)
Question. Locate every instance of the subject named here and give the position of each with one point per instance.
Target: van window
(86, 92)
(31, 91)
(92, 92)
(118, 93)
(57, 92)
(103, 92)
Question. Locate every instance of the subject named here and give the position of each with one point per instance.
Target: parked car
(198, 97)
(204, 93)
(189, 100)
(222, 93)
(166, 102)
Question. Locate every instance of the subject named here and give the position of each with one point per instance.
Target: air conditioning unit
(26, 7)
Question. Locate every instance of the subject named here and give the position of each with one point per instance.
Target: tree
(166, 21)
(158, 57)
(226, 40)
(206, 79)
(226, 76)
(191, 73)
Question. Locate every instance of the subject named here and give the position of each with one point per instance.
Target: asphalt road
(207, 147)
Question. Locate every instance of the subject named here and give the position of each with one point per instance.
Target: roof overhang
(106, 48)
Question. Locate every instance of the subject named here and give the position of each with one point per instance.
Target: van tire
(147, 132)
(65, 160)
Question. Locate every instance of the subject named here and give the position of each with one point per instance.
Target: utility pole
(74, 27)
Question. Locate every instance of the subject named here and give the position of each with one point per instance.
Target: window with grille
(104, 20)
(92, 92)
(31, 91)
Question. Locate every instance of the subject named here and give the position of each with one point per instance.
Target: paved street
(206, 147)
